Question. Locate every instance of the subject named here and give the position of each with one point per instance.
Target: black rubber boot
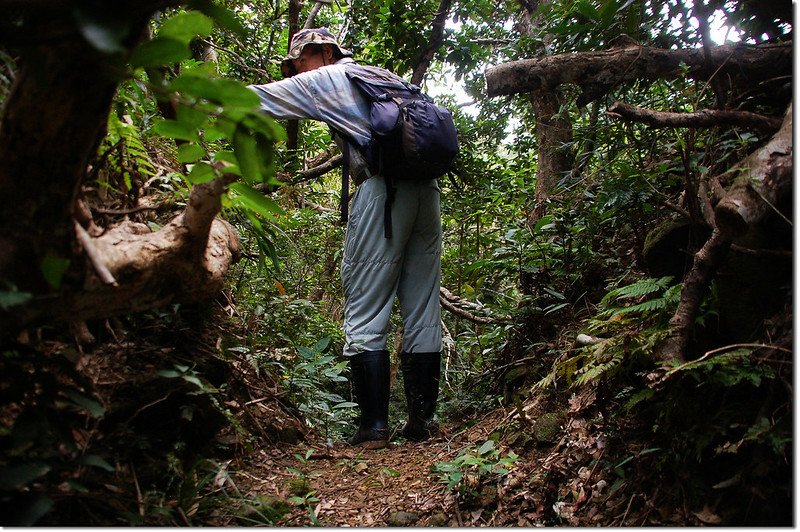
(370, 374)
(421, 373)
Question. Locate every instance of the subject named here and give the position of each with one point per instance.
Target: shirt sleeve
(324, 94)
(287, 98)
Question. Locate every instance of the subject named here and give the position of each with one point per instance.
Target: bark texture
(598, 72)
(553, 133)
(53, 121)
(768, 178)
(704, 118)
(763, 179)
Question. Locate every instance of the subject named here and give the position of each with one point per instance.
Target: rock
(438, 519)
(402, 519)
(547, 427)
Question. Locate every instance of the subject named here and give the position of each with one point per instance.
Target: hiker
(380, 261)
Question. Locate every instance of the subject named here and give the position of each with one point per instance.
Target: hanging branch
(704, 118)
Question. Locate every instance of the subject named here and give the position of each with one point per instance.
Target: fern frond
(638, 289)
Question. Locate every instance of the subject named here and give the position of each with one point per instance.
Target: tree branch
(704, 118)
(764, 178)
(434, 42)
(597, 72)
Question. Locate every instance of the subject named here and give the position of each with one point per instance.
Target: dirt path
(387, 487)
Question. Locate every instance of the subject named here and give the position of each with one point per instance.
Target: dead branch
(449, 302)
(704, 118)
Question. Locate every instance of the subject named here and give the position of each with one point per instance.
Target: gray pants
(375, 269)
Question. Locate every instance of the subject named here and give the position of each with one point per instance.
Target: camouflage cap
(303, 38)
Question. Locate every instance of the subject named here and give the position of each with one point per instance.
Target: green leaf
(104, 29)
(15, 476)
(247, 154)
(96, 461)
(53, 269)
(189, 153)
(235, 93)
(226, 156)
(201, 172)
(223, 17)
(13, 299)
(255, 200)
(175, 130)
(486, 447)
(87, 403)
(160, 51)
(586, 9)
(191, 117)
(346, 404)
(227, 92)
(186, 26)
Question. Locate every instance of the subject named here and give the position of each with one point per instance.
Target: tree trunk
(768, 179)
(553, 133)
(54, 120)
(597, 72)
(764, 178)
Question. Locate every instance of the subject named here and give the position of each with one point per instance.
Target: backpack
(412, 137)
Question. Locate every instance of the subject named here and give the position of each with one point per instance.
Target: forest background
(617, 258)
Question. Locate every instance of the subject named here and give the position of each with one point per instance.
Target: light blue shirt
(324, 94)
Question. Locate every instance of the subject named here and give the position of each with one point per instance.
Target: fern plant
(629, 340)
(670, 295)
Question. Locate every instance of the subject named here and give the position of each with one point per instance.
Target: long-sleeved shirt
(324, 94)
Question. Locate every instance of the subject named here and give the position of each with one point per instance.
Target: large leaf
(226, 92)
(15, 476)
(254, 152)
(189, 153)
(175, 130)
(255, 200)
(160, 51)
(186, 26)
(223, 17)
(105, 29)
(201, 172)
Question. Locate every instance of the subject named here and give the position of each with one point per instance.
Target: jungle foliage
(592, 264)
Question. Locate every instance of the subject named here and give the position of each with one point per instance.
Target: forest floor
(396, 486)
(588, 470)
(555, 485)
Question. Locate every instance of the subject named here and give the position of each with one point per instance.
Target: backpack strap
(345, 198)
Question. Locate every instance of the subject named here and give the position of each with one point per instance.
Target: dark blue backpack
(412, 137)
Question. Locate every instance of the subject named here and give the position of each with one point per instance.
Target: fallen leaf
(707, 516)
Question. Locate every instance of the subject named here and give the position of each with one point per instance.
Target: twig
(628, 509)
(723, 349)
(458, 512)
(139, 499)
